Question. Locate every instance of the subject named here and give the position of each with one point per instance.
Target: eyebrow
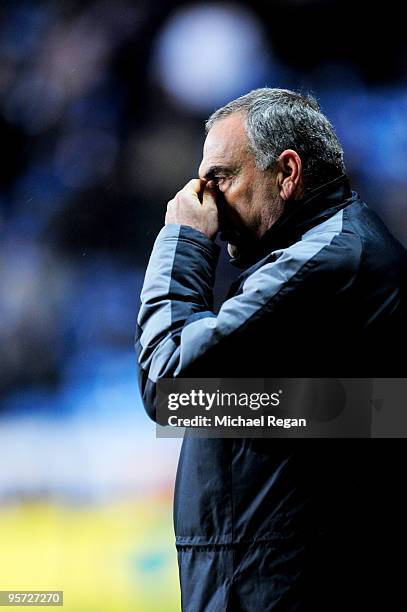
(214, 170)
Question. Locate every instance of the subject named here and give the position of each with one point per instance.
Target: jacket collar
(301, 215)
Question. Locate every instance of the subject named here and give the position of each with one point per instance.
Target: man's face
(249, 199)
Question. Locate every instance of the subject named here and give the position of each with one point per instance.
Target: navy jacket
(282, 524)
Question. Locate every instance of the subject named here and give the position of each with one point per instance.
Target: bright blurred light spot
(206, 55)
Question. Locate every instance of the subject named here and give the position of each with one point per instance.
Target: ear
(290, 175)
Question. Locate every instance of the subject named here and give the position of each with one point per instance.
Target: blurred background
(102, 106)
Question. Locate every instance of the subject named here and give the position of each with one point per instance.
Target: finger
(193, 186)
(209, 196)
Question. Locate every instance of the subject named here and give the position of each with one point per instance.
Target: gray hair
(279, 119)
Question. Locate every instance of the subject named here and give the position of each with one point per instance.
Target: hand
(187, 209)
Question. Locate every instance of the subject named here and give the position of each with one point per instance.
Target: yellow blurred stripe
(117, 557)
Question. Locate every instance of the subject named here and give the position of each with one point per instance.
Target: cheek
(233, 203)
(234, 195)
(238, 197)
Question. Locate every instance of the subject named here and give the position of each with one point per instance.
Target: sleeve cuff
(186, 233)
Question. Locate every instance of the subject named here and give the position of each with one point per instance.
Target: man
(277, 524)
